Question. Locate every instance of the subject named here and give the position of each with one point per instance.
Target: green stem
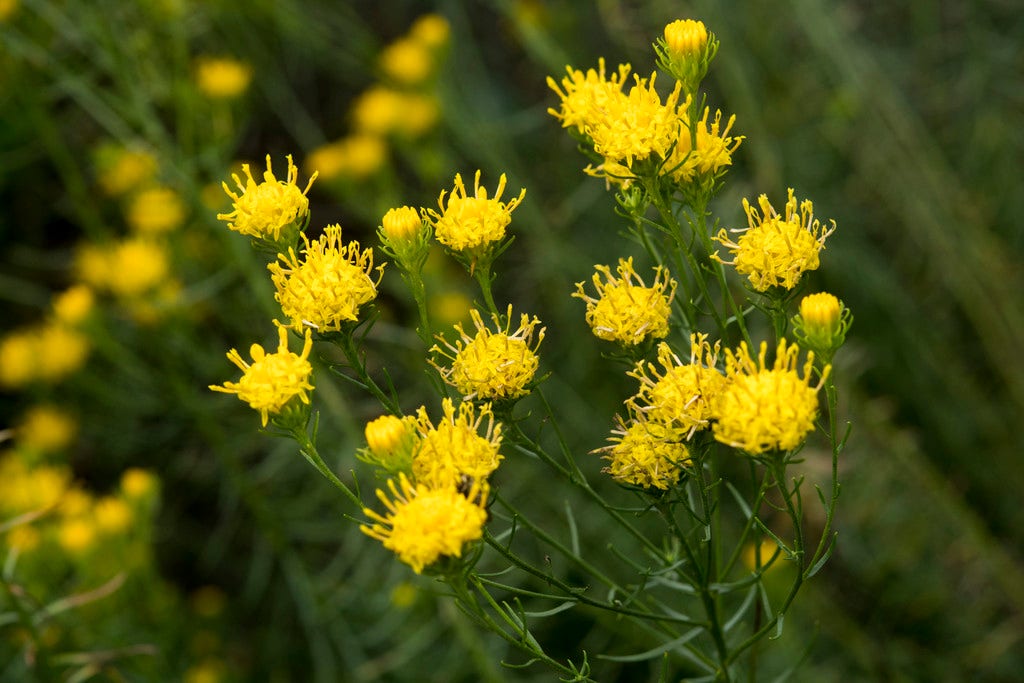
(41, 669)
(312, 455)
(483, 276)
(348, 347)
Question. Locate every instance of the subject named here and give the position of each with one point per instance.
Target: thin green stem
(482, 273)
(312, 455)
(348, 347)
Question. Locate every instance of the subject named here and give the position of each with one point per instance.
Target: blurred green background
(902, 121)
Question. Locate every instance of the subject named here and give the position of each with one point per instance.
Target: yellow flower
(113, 515)
(638, 126)
(626, 310)
(647, 454)
(425, 524)
(355, 157)
(454, 448)
(264, 210)
(391, 441)
(449, 307)
(681, 395)
(326, 289)
(155, 210)
(60, 351)
(766, 407)
(28, 490)
(492, 365)
(774, 250)
(121, 170)
(712, 153)
(17, 358)
(222, 77)
(407, 61)
(273, 379)
(401, 225)
(585, 97)
(73, 305)
(763, 556)
(77, 535)
(685, 37)
(822, 324)
(377, 110)
(471, 222)
(7, 9)
(135, 266)
(46, 429)
(431, 30)
(138, 484)
(685, 52)
(420, 113)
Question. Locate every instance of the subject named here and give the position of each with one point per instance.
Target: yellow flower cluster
(424, 524)
(441, 502)
(764, 406)
(470, 223)
(328, 286)
(222, 78)
(706, 153)
(680, 395)
(625, 310)
(776, 250)
(492, 365)
(155, 211)
(272, 380)
(45, 428)
(402, 107)
(120, 169)
(646, 453)
(271, 209)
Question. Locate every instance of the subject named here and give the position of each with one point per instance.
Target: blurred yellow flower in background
(155, 210)
(222, 77)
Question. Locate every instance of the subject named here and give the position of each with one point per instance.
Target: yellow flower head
(138, 484)
(423, 524)
(647, 454)
(431, 30)
(401, 225)
(222, 77)
(626, 310)
(272, 379)
(17, 358)
(470, 222)
(326, 289)
(73, 305)
(681, 395)
(59, 351)
(712, 153)
(685, 37)
(77, 535)
(455, 448)
(638, 126)
(492, 365)
(155, 210)
(121, 170)
(46, 429)
(767, 407)
(407, 61)
(585, 97)
(354, 157)
(264, 210)
(24, 489)
(774, 250)
(135, 266)
(113, 515)
(391, 441)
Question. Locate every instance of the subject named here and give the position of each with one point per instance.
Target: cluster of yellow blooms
(51, 350)
(625, 309)
(401, 107)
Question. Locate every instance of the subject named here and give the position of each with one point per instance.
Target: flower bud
(685, 38)
(685, 52)
(822, 324)
(401, 225)
(390, 442)
(405, 238)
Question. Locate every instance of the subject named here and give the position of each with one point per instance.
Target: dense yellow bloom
(492, 365)
(138, 484)
(46, 428)
(713, 151)
(407, 61)
(155, 210)
(27, 490)
(774, 250)
(431, 30)
(73, 305)
(135, 266)
(585, 97)
(425, 524)
(469, 222)
(383, 111)
(638, 126)
(272, 379)
(121, 170)
(354, 157)
(48, 352)
(454, 448)
(626, 310)
(681, 395)
(647, 454)
(767, 407)
(263, 210)
(326, 289)
(391, 441)
(222, 77)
